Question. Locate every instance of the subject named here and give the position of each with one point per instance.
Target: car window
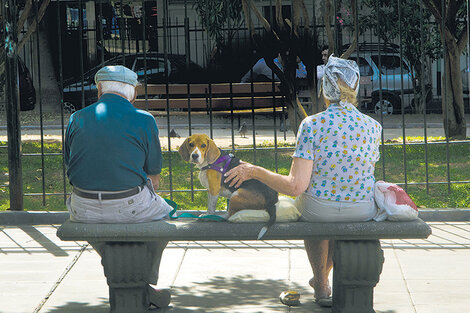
(364, 67)
(154, 66)
(390, 64)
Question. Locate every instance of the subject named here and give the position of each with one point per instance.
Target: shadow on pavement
(220, 294)
(43, 240)
(79, 307)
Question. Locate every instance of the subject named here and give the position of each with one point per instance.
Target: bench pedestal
(357, 267)
(125, 266)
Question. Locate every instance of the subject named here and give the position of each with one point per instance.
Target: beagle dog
(213, 163)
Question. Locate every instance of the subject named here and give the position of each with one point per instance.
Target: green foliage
(217, 15)
(392, 158)
(419, 36)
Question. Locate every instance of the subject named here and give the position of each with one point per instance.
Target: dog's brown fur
(200, 150)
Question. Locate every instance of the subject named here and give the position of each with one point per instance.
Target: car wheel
(386, 106)
(69, 107)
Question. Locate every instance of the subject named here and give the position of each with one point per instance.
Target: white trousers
(315, 209)
(143, 207)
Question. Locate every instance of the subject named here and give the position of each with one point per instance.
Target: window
(154, 66)
(390, 64)
(72, 17)
(364, 67)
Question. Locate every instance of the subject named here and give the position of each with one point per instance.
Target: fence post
(12, 107)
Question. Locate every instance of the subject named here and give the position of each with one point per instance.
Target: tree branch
(296, 15)
(24, 16)
(260, 17)
(436, 12)
(247, 14)
(462, 41)
(279, 18)
(352, 47)
(452, 10)
(326, 20)
(303, 8)
(34, 25)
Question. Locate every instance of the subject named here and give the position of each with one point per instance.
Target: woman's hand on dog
(237, 175)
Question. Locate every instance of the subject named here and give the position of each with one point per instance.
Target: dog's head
(199, 149)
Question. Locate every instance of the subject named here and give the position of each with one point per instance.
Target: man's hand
(155, 181)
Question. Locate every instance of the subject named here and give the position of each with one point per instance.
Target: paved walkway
(40, 273)
(264, 130)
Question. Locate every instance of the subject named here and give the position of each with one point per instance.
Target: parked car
(154, 70)
(27, 90)
(385, 80)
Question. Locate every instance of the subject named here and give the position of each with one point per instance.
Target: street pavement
(41, 273)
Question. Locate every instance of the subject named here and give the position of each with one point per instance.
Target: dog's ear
(213, 151)
(184, 151)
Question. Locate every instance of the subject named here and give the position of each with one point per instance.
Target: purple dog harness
(222, 168)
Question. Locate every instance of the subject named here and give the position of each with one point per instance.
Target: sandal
(325, 302)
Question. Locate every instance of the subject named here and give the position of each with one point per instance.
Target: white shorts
(145, 206)
(315, 209)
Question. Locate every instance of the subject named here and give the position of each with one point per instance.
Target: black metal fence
(192, 67)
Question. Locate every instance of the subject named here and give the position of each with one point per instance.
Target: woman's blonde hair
(347, 93)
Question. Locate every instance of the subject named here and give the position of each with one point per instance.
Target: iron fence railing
(168, 45)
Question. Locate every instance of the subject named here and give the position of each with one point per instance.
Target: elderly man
(114, 160)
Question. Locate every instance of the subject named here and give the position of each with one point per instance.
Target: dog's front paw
(225, 216)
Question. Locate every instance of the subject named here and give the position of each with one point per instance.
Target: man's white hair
(123, 89)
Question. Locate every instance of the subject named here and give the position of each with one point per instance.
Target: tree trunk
(295, 111)
(452, 99)
(318, 103)
(328, 30)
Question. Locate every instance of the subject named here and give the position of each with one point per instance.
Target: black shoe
(160, 298)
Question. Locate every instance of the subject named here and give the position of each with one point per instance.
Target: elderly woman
(332, 172)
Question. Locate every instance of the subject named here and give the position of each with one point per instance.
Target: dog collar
(218, 166)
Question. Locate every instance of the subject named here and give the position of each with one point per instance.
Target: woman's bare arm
(292, 185)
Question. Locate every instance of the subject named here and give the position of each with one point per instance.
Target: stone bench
(358, 257)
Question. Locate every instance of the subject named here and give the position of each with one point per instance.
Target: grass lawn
(390, 168)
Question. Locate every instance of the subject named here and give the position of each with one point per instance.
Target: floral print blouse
(344, 146)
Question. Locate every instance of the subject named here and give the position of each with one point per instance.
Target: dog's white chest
(205, 182)
(203, 179)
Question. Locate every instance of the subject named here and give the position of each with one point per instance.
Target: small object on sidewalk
(243, 129)
(290, 298)
(173, 133)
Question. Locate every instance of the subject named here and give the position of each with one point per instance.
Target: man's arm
(153, 162)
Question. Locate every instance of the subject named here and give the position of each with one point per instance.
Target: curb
(12, 218)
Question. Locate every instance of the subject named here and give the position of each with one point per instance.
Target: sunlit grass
(416, 139)
(391, 168)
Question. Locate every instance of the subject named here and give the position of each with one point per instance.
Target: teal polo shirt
(110, 146)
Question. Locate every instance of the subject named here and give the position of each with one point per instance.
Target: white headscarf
(337, 68)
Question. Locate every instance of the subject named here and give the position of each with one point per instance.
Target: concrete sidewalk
(264, 129)
(40, 273)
